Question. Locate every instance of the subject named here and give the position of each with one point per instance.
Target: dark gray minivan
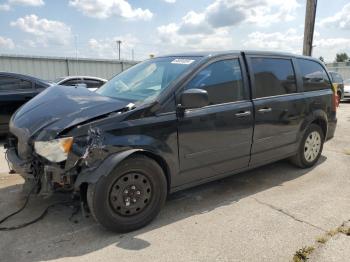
(170, 123)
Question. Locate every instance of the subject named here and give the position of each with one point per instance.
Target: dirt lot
(262, 215)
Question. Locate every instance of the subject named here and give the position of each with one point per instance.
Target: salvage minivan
(171, 123)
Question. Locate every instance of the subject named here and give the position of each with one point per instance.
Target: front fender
(92, 175)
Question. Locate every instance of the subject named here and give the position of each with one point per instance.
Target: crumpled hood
(61, 107)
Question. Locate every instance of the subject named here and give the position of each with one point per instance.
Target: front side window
(314, 76)
(222, 80)
(145, 81)
(273, 76)
(11, 83)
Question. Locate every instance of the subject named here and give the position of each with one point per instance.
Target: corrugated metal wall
(50, 68)
(341, 68)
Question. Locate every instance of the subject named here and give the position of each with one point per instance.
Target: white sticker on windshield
(182, 61)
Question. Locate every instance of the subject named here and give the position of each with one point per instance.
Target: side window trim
(212, 61)
(298, 77)
(252, 77)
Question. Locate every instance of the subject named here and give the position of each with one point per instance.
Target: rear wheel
(129, 197)
(310, 148)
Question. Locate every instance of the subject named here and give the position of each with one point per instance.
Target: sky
(90, 28)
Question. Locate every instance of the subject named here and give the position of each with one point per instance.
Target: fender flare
(315, 116)
(91, 176)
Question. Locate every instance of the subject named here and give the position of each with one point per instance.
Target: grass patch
(322, 239)
(303, 254)
(345, 230)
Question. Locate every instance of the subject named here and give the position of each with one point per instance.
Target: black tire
(299, 159)
(103, 209)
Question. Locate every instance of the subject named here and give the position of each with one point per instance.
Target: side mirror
(194, 98)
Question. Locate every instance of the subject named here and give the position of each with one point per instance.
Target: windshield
(145, 81)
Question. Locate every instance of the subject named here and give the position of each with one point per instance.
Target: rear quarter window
(313, 75)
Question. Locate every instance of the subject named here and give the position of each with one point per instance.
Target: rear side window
(222, 80)
(92, 83)
(273, 76)
(72, 82)
(11, 83)
(314, 76)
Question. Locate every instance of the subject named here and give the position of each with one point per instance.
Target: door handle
(243, 113)
(265, 110)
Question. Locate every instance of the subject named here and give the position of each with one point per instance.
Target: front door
(216, 139)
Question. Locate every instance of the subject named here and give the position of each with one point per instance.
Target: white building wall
(50, 68)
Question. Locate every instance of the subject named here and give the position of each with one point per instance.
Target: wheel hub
(312, 146)
(130, 194)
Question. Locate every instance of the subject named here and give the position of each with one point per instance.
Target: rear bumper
(332, 125)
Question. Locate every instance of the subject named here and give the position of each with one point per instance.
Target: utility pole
(132, 54)
(310, 16)
(118, 44)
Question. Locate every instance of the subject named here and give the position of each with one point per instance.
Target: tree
(322, 59)
(341, 57)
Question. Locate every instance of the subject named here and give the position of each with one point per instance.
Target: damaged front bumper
(17, 164)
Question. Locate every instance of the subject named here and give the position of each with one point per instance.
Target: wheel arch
(92, 176)
(321, 122)
(318, 117)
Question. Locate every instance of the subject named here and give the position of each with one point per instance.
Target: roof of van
(228, 52)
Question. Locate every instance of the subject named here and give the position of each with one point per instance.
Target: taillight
(335, 100)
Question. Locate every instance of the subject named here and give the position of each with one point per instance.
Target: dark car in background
(170, 123)
(338, 80)
(92, 83)
(16, 90)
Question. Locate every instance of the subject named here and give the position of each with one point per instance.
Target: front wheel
(310, 148)
(129, 197)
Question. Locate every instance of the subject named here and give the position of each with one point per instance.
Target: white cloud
(292, 41)
(339, 20)
(107, 47)
(46, 31)
(6, 43)
(26, 2)
(228, 13)
(107, 8)
(329, 47)
(172, 41)
(212, 28)
(5, 7)
(289, 41)
(170, 1)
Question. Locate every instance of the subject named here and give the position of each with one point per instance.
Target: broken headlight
(55, 150)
